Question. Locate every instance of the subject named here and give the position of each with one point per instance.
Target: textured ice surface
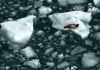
(18, 31)
(60, 20)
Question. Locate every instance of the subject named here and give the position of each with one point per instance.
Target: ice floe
(60, 20)
(18, 32)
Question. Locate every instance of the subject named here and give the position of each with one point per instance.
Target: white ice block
(60, 20)
(18, 32)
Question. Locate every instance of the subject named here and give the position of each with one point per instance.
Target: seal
(72, 26)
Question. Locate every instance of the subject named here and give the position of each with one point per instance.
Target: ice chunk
(76, 1)
(62, 2)
(34, 63)
(49, 50)
(61, 20)
(51, 64)
(77, 50)
(62, 43)
(67, 2)
(28, 52)
(40, 32)
(38, 3)
(43, 11)
(89, 59)
(97, 35)
(57, 33)
(60, 56)
(18, 32)
(71, 68)
(93, 10)
(79, 8)
(49, 1)
(63, 65)
(97, 2)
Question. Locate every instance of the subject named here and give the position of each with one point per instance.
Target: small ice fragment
(51, 64)
(77, 50)
(97, 3)
(72, 68)
(62, 2)
(49, 50)
(43, 11)
(49, 1)
(97, 35)
(68, 2)
(40, 32)
(76, 1)
(89, 59)
(63, 65)
(34, 63)
(28, 52)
